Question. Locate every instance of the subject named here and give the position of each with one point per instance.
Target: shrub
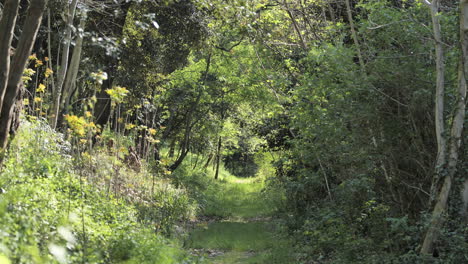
(52, 211)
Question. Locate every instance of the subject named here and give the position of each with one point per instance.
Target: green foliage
(274, 82)
(233, 236)
(50, 213)
(168, 207)
(355, 169)
(229, 196)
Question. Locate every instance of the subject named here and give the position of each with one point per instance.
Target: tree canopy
(360, 104)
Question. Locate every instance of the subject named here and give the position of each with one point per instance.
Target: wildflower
(48, 72)
(41, 88)
(129, 126)
(152, 131)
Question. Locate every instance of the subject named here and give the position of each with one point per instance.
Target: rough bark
(25, 44)
(7, 26)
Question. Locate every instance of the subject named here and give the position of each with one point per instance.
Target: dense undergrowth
(60, 207)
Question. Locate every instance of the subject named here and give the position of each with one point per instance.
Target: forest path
(240, 228)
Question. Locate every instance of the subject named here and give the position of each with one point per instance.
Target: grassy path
(239, 228)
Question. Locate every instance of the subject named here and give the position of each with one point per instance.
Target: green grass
(246, 233)
(237, 236)
(240, 198)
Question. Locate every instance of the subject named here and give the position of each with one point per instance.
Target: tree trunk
(49, 49)
(296, 26)
(462, 93)
(464, 198)
(218, 158)
(184, 148)
(354, 35)
(71, 8)
(74, 66)
(7, 26)
(196, 162)
(20, 59)
(447, 167)
(210, 156)
(440, 87)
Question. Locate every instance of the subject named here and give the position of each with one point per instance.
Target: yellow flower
(120, 120)
(117, 94)
(48, 72)
(129, 126)
(152, 131)
(152, 140)
(91, 125)
(26, 101)
(39, 63)
(41, 88)
(88, 114)
(46, 58)
(77, 124)
(37, 99)
(33, 57)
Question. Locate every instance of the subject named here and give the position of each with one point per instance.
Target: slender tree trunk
(74, 66)
(49, 49)
(462, 93)
(354, 35)
(447, 167)
(296, 25)
(7, 26)
(20, 59)
(440, 87)
(64, 64)
(218, 158)
(172, 148)
(330, 10)
(464, 198)
(207, 163)
(184, 148)
(196, 162)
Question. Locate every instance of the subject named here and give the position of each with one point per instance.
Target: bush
(53, 211)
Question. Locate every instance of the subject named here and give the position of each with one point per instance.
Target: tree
(70, 10)
(447, 154)
(20, 58)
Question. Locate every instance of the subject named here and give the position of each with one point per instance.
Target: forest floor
(240, 227)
